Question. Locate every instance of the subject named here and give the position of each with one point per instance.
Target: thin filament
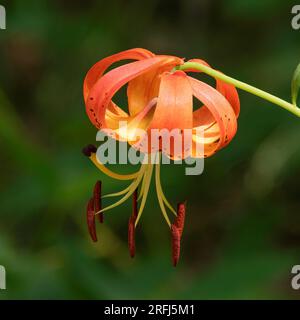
(147, 179)
(117, 194)
(120, 193)
(132, 188)
(142, 188)
(110, 173)
(167, 203)
(159, 197)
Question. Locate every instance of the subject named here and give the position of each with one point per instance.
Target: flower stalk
(292, 108)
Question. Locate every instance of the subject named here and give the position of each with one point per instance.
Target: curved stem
(241, 85)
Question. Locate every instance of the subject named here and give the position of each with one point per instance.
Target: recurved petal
(230, 93)
(146, 86)
(217, 119)
(102, 92)
(173, 114)
(101, 66)
(227, 90)
(115, 110)
(174, 108)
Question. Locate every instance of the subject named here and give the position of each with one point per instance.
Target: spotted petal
(101, 66)
(100, 95)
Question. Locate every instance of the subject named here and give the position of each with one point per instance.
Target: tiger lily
(160, 95)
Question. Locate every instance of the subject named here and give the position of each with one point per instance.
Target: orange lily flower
(159, 97)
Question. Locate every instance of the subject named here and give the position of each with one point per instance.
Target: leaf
(296, 85)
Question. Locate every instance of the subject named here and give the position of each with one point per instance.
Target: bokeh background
(242, 233)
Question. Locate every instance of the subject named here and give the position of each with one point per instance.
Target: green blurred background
(242, 233)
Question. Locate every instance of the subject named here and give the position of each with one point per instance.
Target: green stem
(241, 85)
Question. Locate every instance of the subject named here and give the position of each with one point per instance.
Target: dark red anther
(89, 149)
(131, 225)
(90, 215)
(175, 244)
(176, 232)
(131, 237)
(179, 222)
(97, 199)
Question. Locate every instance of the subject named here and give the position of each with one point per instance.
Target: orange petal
(228, 90)
(102, 92)
(174, 111)
(145, 87)
(137, 125)
(230, 93)
(175, 105)
(216, 118)
(115, 110)
(100, 67)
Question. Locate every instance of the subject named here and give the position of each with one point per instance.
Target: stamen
(147, 179)
(180, 219)
(175, 244)
(131, 226)
(120, 193)
(132, 188)
(158, 191)
(117, 194)
(97, 202)
(176, 232)
(90, 215)
(142, 188)
(110, 173)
